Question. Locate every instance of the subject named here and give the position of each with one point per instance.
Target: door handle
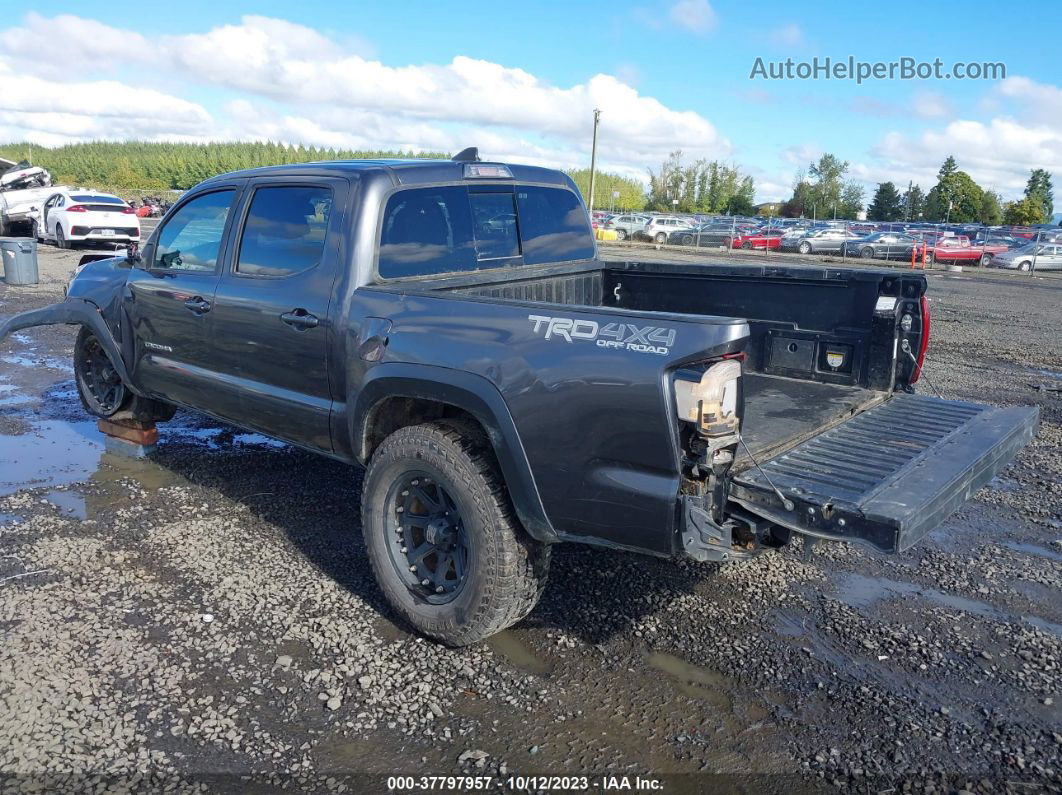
(198, 305)
(300, 319)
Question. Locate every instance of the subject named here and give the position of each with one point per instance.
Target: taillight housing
(923, 343)
(711, 403)
(76, 208)
(128, 211)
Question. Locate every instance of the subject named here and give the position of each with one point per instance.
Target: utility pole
(907, 204)
(593, 160)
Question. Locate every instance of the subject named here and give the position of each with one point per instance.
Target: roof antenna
(470, 155)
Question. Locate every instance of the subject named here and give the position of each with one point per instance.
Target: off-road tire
(508, 569)
(129, 407)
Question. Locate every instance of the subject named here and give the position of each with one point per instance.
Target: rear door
(169, 301)
(889, 475)
(270, 324)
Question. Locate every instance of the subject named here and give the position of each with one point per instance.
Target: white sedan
(72, 216)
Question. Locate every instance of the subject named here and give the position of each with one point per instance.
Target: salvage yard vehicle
(71, 216)
(660, 227)
(1046, 256)
(882, 245)
(506, 390)
(820, 241)
(960, 250)
(23, 188)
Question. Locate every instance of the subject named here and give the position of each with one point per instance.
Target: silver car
(626, 225)
(821, 241)
(1048, 257)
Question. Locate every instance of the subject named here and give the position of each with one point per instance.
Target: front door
(270, 324)
(170, 299)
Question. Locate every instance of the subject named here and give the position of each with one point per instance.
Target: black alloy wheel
(430, 550)
(98, 382)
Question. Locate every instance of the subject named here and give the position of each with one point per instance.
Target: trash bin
(20, 260)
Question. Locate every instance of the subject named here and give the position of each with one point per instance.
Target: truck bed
(782, 412)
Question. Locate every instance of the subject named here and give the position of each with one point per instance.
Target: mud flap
(72, 311)
(888, 476)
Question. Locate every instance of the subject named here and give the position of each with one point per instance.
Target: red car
(960, 250)
(759, 239)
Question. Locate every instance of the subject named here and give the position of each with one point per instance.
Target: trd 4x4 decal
(621, 336)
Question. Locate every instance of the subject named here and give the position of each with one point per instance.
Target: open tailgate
(890, 474)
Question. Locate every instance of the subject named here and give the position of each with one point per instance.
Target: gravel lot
(207, 618)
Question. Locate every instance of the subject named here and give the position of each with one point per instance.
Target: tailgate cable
(905, 346)
(786, 502)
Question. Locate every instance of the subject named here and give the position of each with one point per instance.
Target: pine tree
(887, 204)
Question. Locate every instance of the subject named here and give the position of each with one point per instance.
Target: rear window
(284, 233)
(454, 229)
(553, 225)
(96, 199)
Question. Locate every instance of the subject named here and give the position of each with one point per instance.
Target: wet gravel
(207, 620)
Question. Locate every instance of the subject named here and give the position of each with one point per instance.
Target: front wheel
(687, 240)
(621, 234)
(442, 538)
(60, 238)
(660, 237)
(747, 245)
(101, 389)
(1025, 266)
(867, 253)
(986, 260)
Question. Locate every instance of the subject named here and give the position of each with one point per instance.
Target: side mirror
(133, 256)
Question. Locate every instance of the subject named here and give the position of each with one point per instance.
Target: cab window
(191, 238)
(553, 225)
(284, 233)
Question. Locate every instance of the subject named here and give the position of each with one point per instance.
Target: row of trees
(700, 187)
(823, 191)
(956, 197)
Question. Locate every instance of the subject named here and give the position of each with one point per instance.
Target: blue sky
(669, 75)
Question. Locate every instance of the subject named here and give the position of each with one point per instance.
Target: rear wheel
(1025, 266)
(805, 247)
(102, 392)
(687, 240)
(660, 237)
(986, 260)
(867, 252)
(747, 245)
(929, 258)
(443, 541)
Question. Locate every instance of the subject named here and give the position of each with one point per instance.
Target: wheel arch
(395, 395)
(74, 312)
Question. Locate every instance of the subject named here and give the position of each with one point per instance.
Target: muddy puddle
(54, 453)
(519, 654)
(693, 681)
(862, 593)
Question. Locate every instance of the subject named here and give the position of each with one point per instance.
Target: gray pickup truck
(447, 325)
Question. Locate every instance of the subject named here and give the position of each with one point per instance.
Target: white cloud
(52, 113)
(696, 16)
(791, 36)
(931, 105)
(309, 80)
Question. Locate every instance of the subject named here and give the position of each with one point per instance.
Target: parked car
(1048, 257)
(961, 250)
(880, 245)
(761, 239)
(827, 240)
(73, 216)
(626, 225)
(660, 226)
(500, 408)
(712, 234)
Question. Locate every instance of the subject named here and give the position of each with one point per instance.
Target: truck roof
(404, 172)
